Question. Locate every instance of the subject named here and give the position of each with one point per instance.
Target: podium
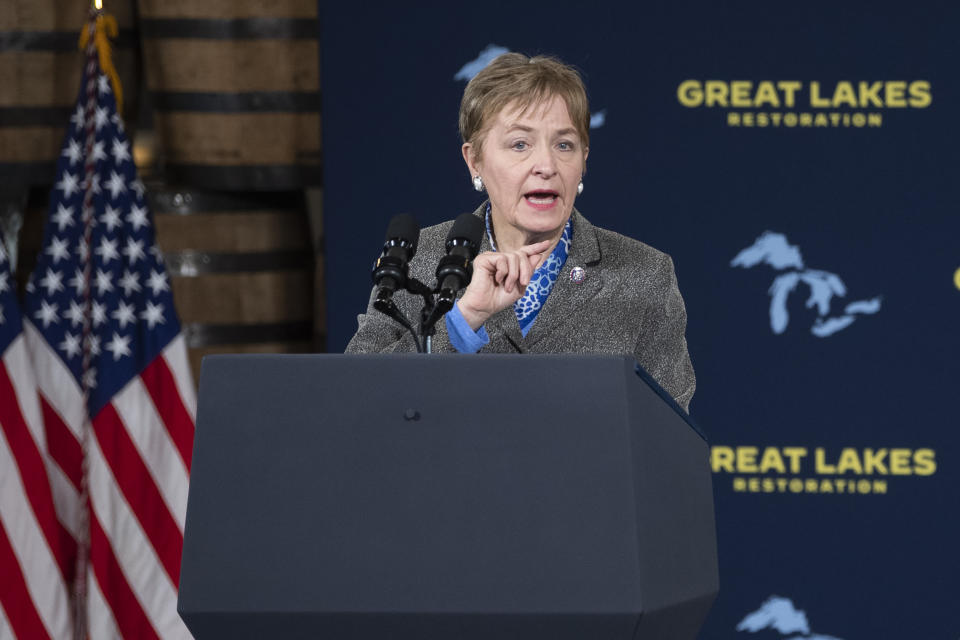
(460, 497)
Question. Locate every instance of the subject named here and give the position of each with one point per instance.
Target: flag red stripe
(36, 483)
(128, 613)
(17, 603)
(158, 379)
(61, 444)
(140, 490)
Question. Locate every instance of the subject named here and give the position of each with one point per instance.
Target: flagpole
(87, 217)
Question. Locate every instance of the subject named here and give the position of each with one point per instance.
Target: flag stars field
(63, 217)
(111, 218)
(137, 217)
(68, 183)
(58, 249)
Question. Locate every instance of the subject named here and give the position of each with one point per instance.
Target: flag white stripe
(100, 621)
(25, 387)
(176, 356)
(150, 436)
(6, 633)
(132, 549)
(66, 500)
(55, 381)
(41, 572)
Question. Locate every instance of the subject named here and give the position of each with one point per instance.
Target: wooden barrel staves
(236, 91)
(40, 71)
(241, 267)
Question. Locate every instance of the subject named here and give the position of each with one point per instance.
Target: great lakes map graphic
(780, 615)
(486, 56)
(773, 250)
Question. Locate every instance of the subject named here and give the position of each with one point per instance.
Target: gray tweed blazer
(628, 303)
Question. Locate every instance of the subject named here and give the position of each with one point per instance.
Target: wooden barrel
(236, 91)
(242, 269)
(40, 72)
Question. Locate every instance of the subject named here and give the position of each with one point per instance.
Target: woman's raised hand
(499, 279)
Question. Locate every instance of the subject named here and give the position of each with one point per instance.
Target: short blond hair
(528, 82)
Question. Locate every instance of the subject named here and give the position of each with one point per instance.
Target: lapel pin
(578, 275)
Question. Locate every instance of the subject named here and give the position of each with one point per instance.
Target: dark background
(877, 206)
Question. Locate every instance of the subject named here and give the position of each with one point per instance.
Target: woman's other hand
(499, 280)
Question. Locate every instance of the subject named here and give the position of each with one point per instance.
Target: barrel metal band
(230, 29)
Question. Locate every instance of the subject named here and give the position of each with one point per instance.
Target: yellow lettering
(849, 461)
(690, 94)
(716, 93)
(900, 462)
(762, 119)
(879, 486)
(844, 94)
(739, 484)
(771, 459)
(875, 119)
(806, 119)
(873, 461)
(733, 119)
(864, 486)
(795, 454)
(826, 486)
(893, 93)
(924, 462)
(740, 93)
(789, 88)
(747, 459)
(748, 119)
(870, 94)
(920, 94)
(815, 99)
(766, 94)
(754, 484)
(796, 485)
(810, 485)
(821, 465)
(721, 459)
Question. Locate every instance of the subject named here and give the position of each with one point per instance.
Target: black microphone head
(404, 226)
(467, 227)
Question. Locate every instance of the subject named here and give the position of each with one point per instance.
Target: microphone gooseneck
(455, 268)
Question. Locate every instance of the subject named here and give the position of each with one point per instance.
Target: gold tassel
(105, 27)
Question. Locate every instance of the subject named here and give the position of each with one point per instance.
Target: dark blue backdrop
(874, 206)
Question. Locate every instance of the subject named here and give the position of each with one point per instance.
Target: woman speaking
(546, 280)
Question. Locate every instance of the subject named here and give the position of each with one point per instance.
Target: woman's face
(531, 165)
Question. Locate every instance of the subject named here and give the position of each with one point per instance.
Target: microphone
(456, 268)
(390, 270)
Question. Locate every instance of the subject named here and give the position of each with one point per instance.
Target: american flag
(34, 556)
(115, 392)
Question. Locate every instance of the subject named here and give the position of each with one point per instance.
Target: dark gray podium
(455, 497)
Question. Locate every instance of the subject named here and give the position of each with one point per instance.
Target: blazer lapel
(567, 297)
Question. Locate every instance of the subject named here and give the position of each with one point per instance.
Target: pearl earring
(580, 187)
(478, 183)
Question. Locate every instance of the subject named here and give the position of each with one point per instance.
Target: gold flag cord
(104, 27)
